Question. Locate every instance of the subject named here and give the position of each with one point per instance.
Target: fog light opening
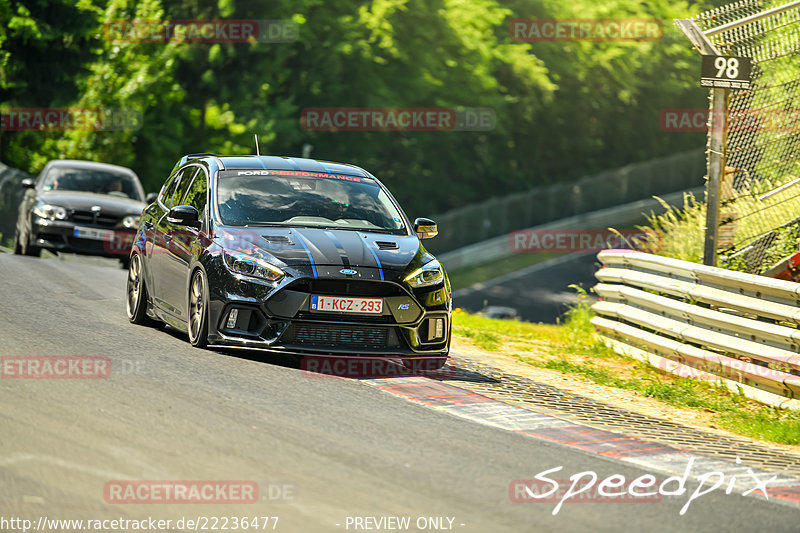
(233, 315)
(273, 330)
(435, 329)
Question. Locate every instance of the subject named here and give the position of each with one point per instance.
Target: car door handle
(168, 236)
(147, 224)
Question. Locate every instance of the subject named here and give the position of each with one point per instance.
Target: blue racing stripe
(313, 265)
(380, 267)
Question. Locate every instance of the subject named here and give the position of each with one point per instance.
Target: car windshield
(90, 180)
(310, 199)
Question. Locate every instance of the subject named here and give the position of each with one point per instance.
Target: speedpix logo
(253, 173)
(645, 488)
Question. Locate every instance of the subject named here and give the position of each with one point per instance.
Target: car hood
(330, 247)
(84, 201)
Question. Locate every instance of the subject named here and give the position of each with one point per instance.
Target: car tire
(136, 295)
(198, 310)
(28, 249)
(125, 262)
(17, 245)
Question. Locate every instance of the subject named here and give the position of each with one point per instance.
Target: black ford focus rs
(289, 254)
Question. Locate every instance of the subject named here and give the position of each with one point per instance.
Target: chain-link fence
(759, 186)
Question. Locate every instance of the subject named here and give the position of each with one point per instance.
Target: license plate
(369, 306)
(94, 234)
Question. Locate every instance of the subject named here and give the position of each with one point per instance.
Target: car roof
(273, 162)
(89, 165)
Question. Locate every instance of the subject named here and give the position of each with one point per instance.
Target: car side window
(196, 194)
(169, 190)
(185, 179)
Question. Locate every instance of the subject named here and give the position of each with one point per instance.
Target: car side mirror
(150, 198)
(425, 228)
(185, 215)
(28, 183)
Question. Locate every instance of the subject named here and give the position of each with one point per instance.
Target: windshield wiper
(265, 225)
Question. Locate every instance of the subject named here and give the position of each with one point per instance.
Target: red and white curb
(646, 454)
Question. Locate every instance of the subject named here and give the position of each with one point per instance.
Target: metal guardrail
(619, 216)
(703, 322)
(545, 204)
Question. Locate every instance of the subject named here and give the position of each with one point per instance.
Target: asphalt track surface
(320, 449)
(539, 293)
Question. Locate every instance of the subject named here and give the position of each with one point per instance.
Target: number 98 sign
(726, 72)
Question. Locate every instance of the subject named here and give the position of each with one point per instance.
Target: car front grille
(87, 217)
(339, 317)
(348, 287)
(349, 336)
(90, 246)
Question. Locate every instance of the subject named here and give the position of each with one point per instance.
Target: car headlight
(131, 221)
(251, 266)
(429, 274)
(50, 212)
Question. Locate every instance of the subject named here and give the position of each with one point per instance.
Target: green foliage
(598, 375)
(482, 339)
(563, 109)
(579, 329)
(690, 393)
(767, 424)
(678, 232)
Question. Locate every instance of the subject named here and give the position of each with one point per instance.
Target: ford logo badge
(348, 271)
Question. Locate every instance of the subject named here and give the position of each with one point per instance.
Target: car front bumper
(279, 318)
(85, 239)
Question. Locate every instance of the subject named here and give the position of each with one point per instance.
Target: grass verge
(573, 348)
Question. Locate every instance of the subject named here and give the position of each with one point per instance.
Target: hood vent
(387, 245)
(278, 239)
